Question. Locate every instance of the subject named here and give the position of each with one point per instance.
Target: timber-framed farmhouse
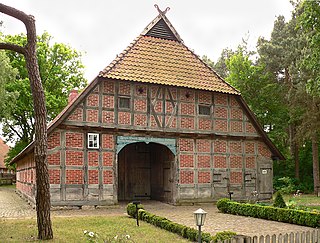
(157, 123)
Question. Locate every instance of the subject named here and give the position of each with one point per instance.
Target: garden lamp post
(137, 215)
(199, 217)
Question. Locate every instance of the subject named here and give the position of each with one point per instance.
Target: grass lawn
(8, 186)
(305, 200)
(70, 229)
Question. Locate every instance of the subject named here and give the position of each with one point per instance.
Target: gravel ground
(12, 206)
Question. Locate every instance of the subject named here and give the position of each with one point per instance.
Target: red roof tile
(163, 61)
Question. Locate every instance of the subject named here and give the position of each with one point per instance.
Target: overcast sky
(101, 29)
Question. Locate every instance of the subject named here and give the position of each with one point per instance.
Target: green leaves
(285, 215)
(61, 70)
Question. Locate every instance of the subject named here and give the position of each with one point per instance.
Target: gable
(161, 30)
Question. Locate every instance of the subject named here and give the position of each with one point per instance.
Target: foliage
(60, 69)
(285, 185)
(279, 201)
(308, 13)
(7, 74)
(263, 96)
(70, 229)
(164, 223)
(131, 209)
(220, 66)
(292, 216)
(18, 147)
(223, 235)
(184, 231)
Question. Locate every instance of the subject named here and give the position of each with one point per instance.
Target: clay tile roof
(159, 56)
(168, 62)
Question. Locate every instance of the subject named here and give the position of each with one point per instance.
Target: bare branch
(15, 13)
(28, 21)
(12, 47)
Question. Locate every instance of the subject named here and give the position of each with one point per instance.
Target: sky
(101, 29)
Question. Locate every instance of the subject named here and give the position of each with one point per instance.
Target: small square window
(204, 110)
(124, 103)
(93, 140)
(216, 177)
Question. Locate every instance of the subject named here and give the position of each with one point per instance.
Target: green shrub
(164, 223)
(285, 185)
(222, 205)
(279, 201)
(286, 215)
(223, 235)
(131, 209)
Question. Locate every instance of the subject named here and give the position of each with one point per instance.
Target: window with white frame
(93, 140)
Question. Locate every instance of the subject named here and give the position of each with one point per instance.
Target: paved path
(12, 206)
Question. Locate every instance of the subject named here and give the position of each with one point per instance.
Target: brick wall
(175, 108)
(26, 176)
(199, 159)
(75, 156)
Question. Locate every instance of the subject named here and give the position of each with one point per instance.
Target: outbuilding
(156, 123)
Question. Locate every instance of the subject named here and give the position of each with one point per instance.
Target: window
(204, 110)
(216, 177)
(124, 103)
(93, 140)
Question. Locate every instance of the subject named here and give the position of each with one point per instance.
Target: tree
(280, 55)
(220, 66)
(60, 70)
(7, 74)
(260, 92)
(308, 14)
(40, 143)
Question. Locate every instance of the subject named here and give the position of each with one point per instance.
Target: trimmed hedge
(292, 216)
(279, 201)
(131, 209)
(182, 230)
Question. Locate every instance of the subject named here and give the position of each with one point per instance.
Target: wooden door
(134, 172)
(168, 179)
(265, 181)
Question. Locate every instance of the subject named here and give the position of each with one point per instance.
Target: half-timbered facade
(157, 123)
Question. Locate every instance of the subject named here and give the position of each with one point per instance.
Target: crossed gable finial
(160, 11)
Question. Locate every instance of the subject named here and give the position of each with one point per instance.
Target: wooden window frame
(92, 142)
(200, 110)
(128, 99)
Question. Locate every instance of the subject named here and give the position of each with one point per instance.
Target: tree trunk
(40, 150)
(40, 114)
(296, 160)
(315, 159)
(294, 149)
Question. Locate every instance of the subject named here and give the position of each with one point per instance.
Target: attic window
(124, 103)
(93, 140)
(204, 110)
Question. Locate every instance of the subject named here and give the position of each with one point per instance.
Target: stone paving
(12, 206)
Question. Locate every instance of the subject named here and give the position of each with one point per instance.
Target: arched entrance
(145, 171)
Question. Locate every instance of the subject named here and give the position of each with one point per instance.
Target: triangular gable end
(161, 27)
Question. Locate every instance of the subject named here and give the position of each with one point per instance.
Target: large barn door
(145, 171)
(134, 172)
